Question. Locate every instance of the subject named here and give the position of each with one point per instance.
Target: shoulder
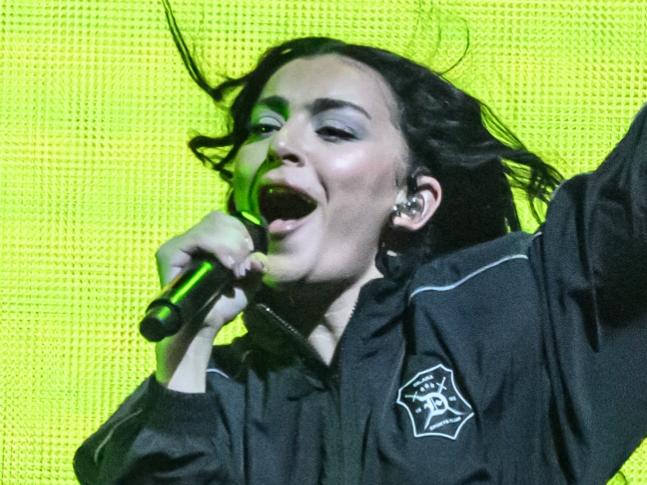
(503, 257)
(479, 311)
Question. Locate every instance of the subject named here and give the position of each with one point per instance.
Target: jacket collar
(380, 301)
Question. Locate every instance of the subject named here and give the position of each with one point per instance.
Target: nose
(285, 146)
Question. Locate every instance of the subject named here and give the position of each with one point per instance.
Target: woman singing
(401, 327)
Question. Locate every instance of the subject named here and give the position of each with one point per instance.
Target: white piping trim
(217, 371)
(111, 432)
(468, 277)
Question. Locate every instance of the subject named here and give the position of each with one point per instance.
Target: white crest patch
(434, 404)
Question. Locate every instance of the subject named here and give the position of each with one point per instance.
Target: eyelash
(333, 132)
(262, 128)
(326, 132)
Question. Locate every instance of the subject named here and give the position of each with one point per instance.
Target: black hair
(450, 135)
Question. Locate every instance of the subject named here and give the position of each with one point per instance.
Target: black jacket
(521, 360)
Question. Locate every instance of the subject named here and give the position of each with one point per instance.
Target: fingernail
(241, 270)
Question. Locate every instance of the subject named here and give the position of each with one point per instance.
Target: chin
(282, 272)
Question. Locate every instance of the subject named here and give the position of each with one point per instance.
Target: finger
(254, 263)
(170, 259)
(219, 235)
(258, 262)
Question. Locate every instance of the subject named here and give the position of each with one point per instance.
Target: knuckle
(168, 248)
(162, 253)
(214, 218)
(217, 234)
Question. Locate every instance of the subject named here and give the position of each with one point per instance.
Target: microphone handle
(190, 293)
(195, 289)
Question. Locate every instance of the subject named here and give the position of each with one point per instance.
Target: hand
(182, 358)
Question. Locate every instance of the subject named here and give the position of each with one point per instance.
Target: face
(324, 165)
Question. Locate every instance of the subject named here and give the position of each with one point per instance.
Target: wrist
(182, 366)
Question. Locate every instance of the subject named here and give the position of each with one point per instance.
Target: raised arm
(593, 251)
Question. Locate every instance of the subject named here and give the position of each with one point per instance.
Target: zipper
(341, 459)
(331, 380)
(292, 332)
(340, 377)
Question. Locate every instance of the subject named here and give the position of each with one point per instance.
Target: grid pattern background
(96, 109)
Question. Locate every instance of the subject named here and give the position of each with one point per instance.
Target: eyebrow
(280, 104)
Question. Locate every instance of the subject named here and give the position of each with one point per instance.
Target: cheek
(369, 175)
(246, 165)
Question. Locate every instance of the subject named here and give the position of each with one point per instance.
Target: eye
(334, 133)
(264, 125)
(262, 128)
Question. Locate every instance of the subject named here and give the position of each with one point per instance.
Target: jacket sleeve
(593, 253)
(159, 436)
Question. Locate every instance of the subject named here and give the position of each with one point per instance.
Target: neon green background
(96, 109)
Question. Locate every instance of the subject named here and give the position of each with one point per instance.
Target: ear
(429, 192)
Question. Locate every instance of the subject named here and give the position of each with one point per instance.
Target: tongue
(283, 226)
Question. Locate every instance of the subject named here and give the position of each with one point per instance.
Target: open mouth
(281, 202)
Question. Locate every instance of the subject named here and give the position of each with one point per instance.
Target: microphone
(195, 289)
